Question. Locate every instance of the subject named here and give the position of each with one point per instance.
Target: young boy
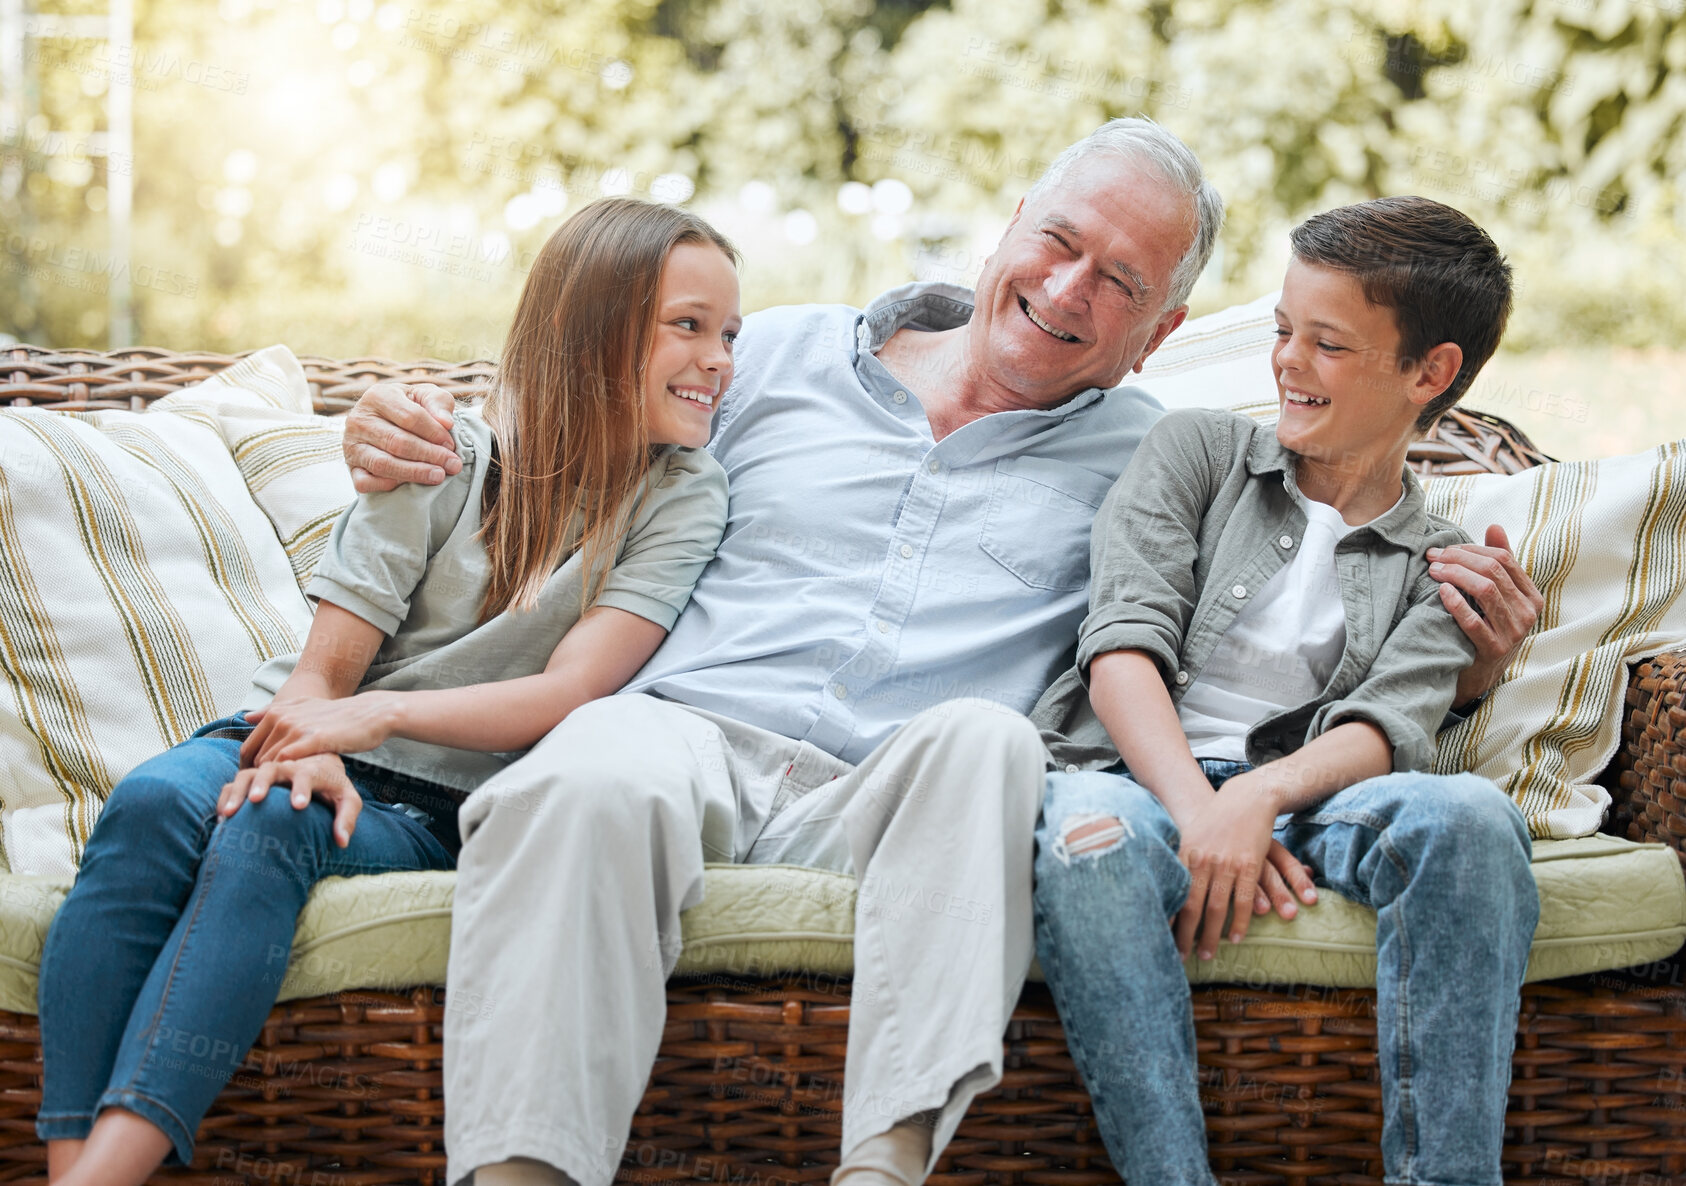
(1267, 658)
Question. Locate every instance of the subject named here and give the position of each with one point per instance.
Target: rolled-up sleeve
(1412, 681)
(673, 540)
(1145, 542)
(380, 547)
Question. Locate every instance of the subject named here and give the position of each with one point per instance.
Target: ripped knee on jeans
(1090, 834)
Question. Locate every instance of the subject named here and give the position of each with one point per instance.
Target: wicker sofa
(345, 1088)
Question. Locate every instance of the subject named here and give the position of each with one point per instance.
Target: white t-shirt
(1280, 650)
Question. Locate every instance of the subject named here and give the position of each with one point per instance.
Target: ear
(1005, 231)
(1439, 366)
(1167, 323)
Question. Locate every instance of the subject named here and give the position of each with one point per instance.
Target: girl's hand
(300, 728)
(321, 776)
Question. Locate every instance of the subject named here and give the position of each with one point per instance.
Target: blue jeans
(166, 956)
(1443, 860)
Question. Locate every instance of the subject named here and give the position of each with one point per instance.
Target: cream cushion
(1604, 903)
(140, 586)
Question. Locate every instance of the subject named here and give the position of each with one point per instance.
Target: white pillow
(140, 586)
(1605, 541)
(1221, 360)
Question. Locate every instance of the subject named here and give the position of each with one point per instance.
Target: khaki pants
(579, 858)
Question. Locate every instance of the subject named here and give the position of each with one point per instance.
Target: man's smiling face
(1073, 296)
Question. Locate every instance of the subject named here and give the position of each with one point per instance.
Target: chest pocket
(1038, 521)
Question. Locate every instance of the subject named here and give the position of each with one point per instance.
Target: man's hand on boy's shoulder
(1492, 599)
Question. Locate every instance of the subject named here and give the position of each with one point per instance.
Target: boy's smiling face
(1344, 399)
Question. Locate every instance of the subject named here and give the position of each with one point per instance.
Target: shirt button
(1182, 677)
(1286, 541)
(900, 397)
(883, 627)
(1239, 591)
(841, 691)
(907, 552)
(1070, 768)
(934, 466)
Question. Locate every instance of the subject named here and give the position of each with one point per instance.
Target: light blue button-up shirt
(869, 571)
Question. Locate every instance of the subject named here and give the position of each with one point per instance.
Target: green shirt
(1205, 514)
(410, 562)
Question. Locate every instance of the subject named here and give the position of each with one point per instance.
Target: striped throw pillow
(289, 457)
(140, 585)
(294, 468)
(1605, 541)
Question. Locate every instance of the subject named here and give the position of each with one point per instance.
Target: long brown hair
(567, 407)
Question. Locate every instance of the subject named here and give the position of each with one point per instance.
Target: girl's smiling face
(690, 360)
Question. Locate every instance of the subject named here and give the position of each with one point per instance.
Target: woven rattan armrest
(1647, 778)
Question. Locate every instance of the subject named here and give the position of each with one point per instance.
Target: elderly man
(903, 573)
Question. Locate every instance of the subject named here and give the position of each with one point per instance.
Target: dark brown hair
(1440, 273)
(567, 407)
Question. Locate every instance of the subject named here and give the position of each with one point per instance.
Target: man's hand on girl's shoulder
(400, 432)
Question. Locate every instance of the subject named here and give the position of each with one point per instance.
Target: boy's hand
(1285, 883)
(320, 775)
(300, 728)
(1224, 848)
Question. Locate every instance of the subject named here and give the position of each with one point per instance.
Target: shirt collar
(1403, 525)
(926, 305)
(933, 305)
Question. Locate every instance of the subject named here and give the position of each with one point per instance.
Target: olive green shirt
(1205, 514)
(410, 562)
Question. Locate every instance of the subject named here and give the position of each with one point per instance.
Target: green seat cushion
(1604, 903)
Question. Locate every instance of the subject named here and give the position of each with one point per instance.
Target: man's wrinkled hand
(1492, 599)
(400, 432)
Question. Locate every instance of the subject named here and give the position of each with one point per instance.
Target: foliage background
(362, 178)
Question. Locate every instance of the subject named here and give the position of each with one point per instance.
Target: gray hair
(1144, 142)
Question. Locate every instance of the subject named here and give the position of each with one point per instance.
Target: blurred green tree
(361, 178)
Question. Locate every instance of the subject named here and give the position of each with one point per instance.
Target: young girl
(553, 563)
